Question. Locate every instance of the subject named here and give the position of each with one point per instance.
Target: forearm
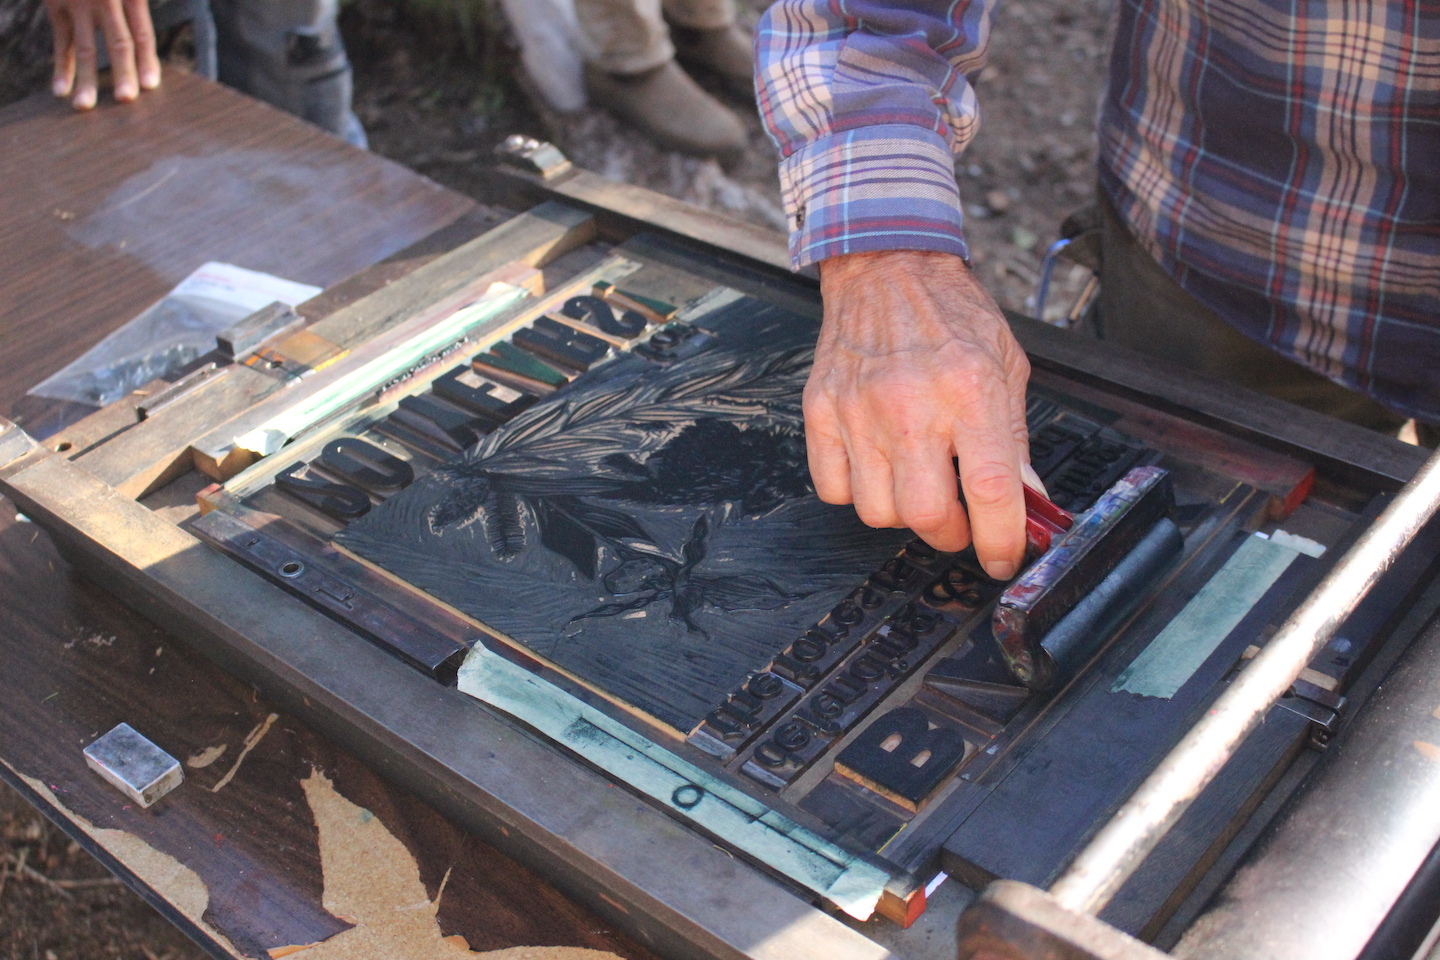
(869, 104)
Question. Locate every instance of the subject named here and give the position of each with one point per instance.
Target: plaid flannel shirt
(1279, 158)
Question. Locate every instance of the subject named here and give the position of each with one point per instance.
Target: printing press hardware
(531, 529)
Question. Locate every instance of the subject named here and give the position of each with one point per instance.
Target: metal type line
(1123, 843)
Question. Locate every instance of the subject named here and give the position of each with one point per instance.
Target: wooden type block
(247, 334)
(818, 650)
(562, 344)
(653, 311)
(438, 419)
(338, 501)
(806, 732)
(674, 343)
(415, 441)
(1091, 468)
(980, 682)
(596, 314)
(366, 465)
(905, 755)
(485, 398)
(747, 711)
(509, 364)
(859, 815)
(1054, 441)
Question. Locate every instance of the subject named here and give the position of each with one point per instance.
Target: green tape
(1187, 641)
(838, 876)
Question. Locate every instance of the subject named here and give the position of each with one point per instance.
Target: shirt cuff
(882, 187)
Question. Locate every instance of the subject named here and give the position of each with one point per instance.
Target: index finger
(990, 476)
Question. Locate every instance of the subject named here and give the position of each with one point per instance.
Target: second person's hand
(916, 365)
(129, 39)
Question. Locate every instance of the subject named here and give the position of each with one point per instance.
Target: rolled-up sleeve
(868, 104)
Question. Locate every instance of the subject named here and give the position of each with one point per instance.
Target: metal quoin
(1121, 846)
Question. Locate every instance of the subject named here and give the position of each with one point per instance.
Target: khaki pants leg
(630, 36)
(1143, 308)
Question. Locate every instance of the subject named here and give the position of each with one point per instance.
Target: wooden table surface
(278, 842)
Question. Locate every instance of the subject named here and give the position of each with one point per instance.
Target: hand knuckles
(927, 518)
(875, 516)
(989, 487)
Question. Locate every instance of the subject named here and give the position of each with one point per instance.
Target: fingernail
(1000, 569)
(84, 100)
(59, 87)
(150, 79)
(126, 91)
(1032, 480)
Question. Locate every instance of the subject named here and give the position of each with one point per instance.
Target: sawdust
(204, 758)
(176, 883)
(251, 740)
(373, 881)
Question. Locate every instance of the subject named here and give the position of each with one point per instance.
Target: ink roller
(1090, 568)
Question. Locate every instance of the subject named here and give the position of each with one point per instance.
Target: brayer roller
(1047, 620)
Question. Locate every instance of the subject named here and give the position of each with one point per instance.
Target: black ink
(650, 528)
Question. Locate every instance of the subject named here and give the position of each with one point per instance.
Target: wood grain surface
(76, 662)
(101, 213)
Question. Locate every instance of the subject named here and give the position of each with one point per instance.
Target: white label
(249, 289)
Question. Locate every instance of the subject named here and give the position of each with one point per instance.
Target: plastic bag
(170, 334)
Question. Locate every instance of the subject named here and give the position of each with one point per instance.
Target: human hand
(129, 37)
(915, 366)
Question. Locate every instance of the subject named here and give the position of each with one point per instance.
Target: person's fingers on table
(990, 476)
(83, 97)
(121, 45)
(825, 446)
(925, 496)
(63, 30)
(142, 31)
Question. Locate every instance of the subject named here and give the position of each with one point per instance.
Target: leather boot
(668, 105)
(726, 52)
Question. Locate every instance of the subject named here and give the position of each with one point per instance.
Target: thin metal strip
(840, 877)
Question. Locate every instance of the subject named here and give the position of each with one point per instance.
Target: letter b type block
(904, 756)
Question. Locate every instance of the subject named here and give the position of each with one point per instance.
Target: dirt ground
(437, 103)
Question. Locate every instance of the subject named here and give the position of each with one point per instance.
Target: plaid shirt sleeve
(869, 105)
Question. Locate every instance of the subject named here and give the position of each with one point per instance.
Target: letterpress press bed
(572, 457)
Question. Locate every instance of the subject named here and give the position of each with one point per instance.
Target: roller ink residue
(651, 529)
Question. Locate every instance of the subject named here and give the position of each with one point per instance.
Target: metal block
(134, 765)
